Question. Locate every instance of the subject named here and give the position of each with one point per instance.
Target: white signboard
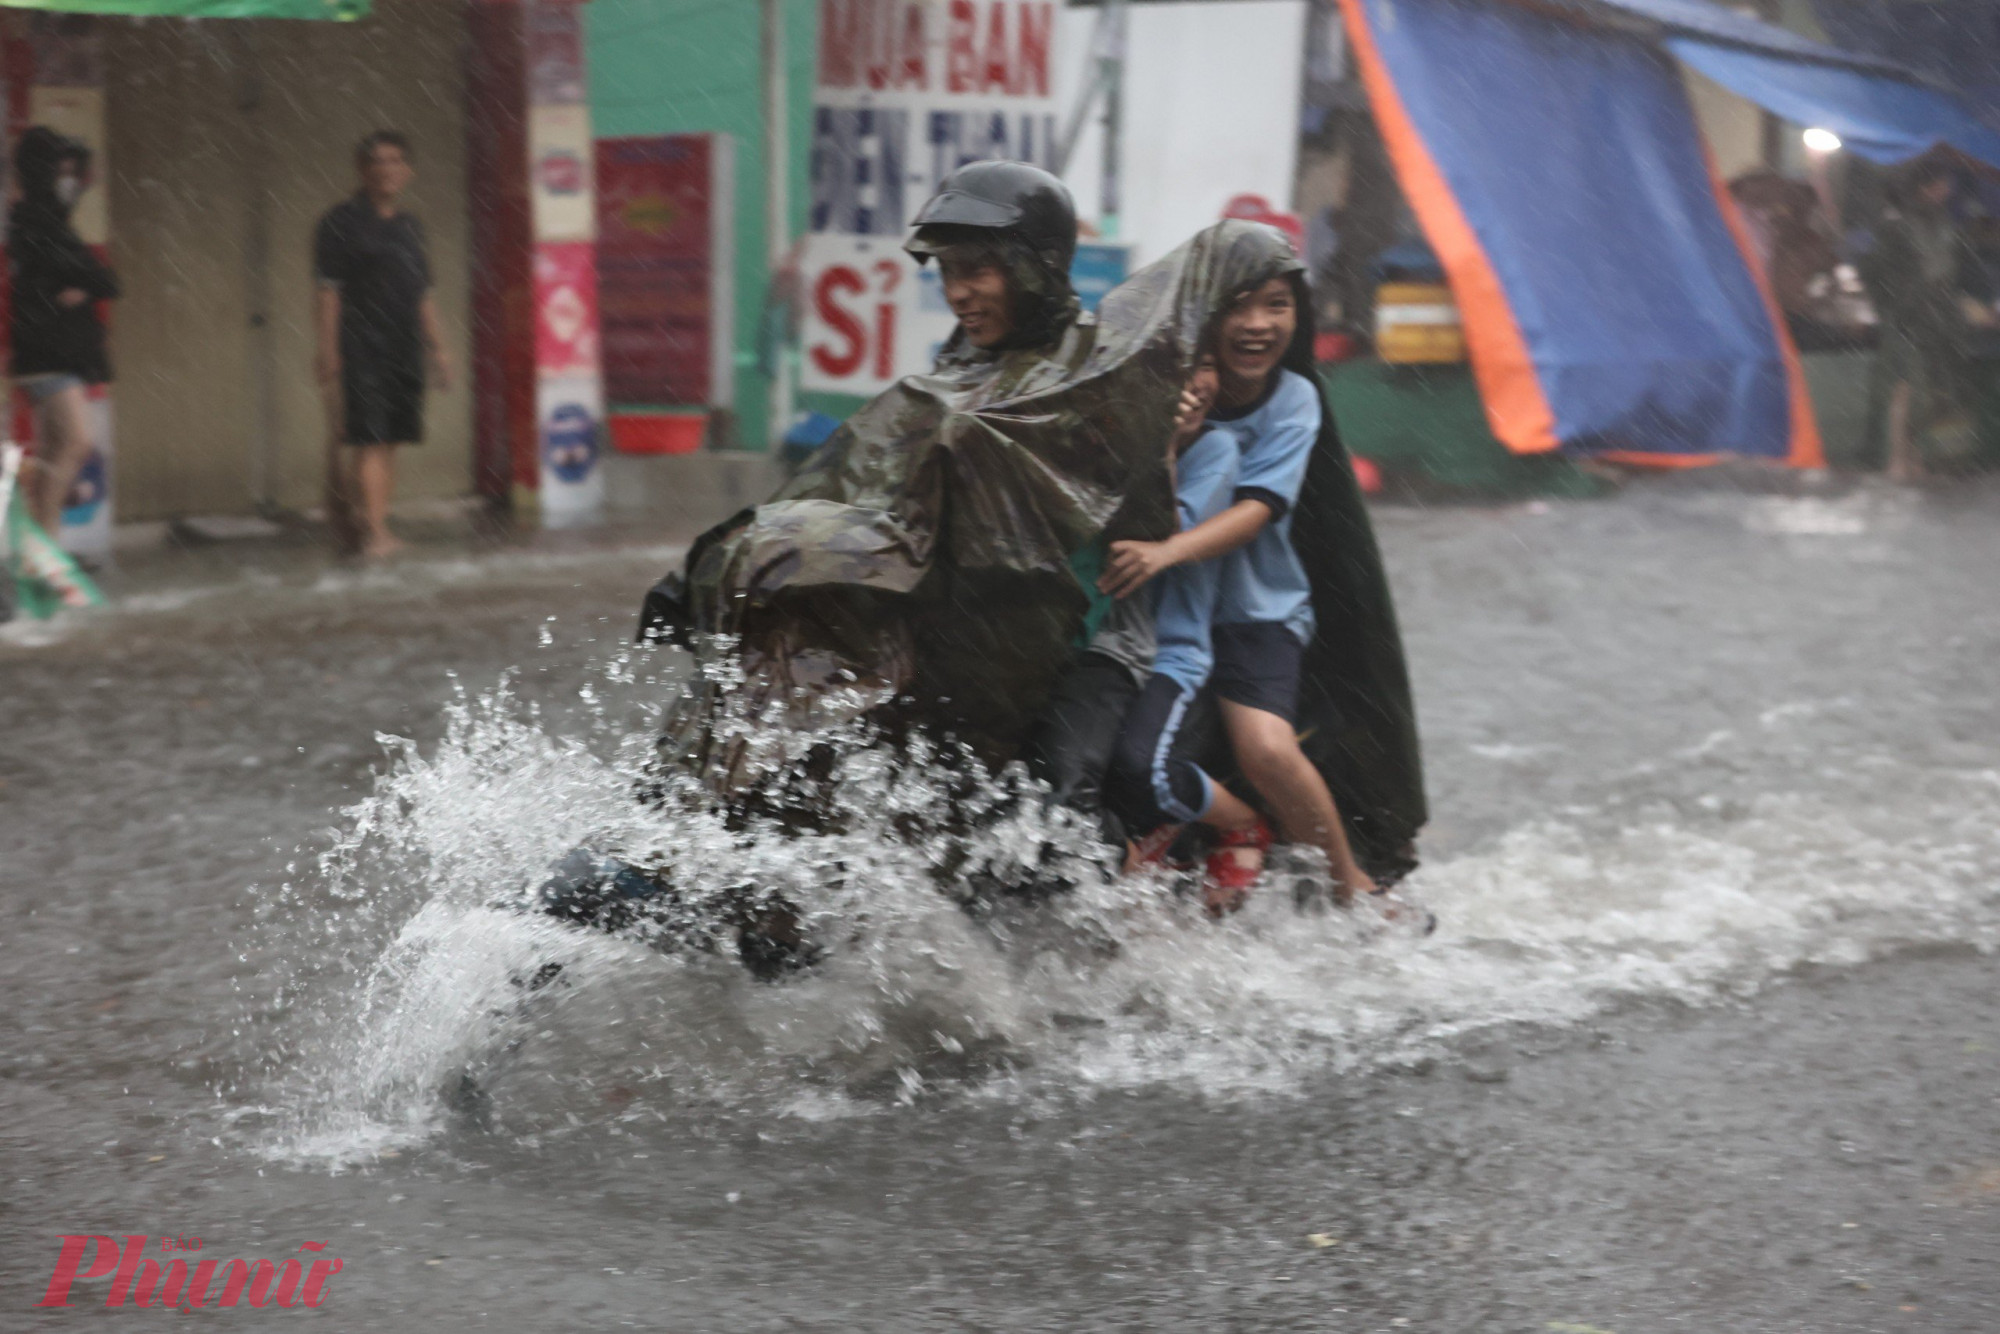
(570, 423)
(86, 512)
(560, 191)
(908, 91)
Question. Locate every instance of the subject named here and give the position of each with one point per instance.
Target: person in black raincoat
(58, 338)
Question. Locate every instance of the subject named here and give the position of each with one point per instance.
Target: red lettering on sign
(962, 60)
(994, 77)
(1038, 20)
(839, 22)
(915, 69)
(881, 42)
(839, 279)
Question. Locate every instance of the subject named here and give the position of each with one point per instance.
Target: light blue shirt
(1205, 479)
(1261, 455)
(1264, 580)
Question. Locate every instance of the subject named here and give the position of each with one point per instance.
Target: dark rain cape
(1357, 721)
(927, 558)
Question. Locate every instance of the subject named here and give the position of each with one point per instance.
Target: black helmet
(1007, 196)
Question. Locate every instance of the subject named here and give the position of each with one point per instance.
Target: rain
(672, 664)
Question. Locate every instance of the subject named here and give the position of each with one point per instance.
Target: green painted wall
(685, 66)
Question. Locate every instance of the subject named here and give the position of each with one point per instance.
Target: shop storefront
(222, 130)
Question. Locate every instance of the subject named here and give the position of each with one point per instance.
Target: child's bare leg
(1228, 812)
(1268, 751)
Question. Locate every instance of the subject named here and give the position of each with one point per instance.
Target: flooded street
(1706, 1040)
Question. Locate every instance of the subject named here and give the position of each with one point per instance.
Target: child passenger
(1234, 613)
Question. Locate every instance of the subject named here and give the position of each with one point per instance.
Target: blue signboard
(569, 442)
(1098, 267)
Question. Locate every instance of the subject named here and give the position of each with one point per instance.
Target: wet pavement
(1707, 1040)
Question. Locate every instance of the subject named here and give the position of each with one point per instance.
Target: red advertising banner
(663, 262)
(566, 336)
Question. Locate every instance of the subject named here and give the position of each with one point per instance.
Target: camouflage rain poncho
(929, 553)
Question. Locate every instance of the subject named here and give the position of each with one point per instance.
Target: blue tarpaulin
(1560, 175)
(1706, 22)
(1610, 303)
(1881, 118)
(1881, 108)
(1957, 45)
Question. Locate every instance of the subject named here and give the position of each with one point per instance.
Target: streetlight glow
(1821, 141)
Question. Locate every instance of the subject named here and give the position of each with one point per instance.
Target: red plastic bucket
(658, 432)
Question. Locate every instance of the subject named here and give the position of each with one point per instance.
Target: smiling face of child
(1253, 337)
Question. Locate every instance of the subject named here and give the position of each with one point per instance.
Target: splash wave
(425, 968)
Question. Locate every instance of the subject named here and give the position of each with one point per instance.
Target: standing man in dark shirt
(377, 325)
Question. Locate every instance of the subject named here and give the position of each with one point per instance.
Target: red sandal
(1229, 881)
(1152, 849)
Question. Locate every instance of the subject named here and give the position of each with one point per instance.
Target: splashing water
(412, 961)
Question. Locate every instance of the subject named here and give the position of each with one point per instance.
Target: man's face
(1255, 333)
(976, 290)
(387, 172)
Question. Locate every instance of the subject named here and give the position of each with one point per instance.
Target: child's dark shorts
(1257, 664)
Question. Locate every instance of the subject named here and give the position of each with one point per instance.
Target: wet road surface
(1707, 1041)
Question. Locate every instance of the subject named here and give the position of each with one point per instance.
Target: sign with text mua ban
(908, 91)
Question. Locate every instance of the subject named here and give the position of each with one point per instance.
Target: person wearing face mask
(58, 335)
